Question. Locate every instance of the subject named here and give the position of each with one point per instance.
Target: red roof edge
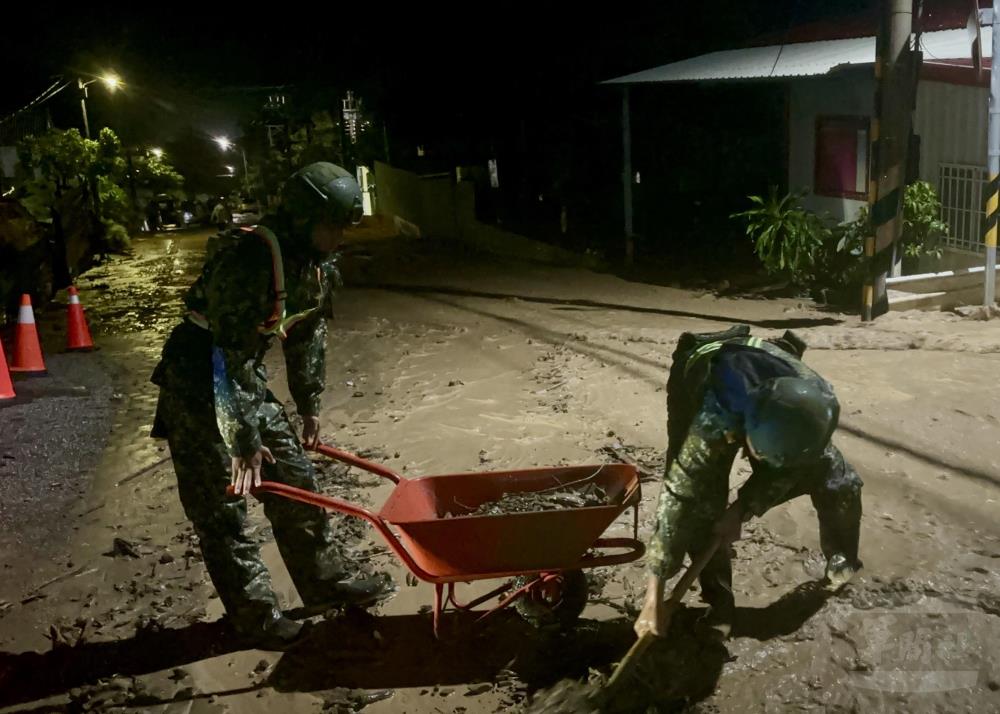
(956, 71)
(937, 15)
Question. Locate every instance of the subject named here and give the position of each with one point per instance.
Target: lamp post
(225, 144)
(109, 80)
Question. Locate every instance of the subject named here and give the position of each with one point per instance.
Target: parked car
(168, 211)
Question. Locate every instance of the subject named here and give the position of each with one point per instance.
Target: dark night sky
(186, 65)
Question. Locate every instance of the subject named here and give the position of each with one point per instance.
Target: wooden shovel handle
(672, 603)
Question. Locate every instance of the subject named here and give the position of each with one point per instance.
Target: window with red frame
(842, 157)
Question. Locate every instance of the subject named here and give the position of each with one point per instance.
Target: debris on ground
(121, 548)
(533, 501)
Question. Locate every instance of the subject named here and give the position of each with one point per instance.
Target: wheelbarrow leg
(438, 605)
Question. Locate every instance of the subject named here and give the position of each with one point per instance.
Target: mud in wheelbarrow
(544, 551)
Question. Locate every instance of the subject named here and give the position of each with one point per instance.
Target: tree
(77, 186)
(57, 187)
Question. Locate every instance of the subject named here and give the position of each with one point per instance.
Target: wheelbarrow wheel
(556, 602)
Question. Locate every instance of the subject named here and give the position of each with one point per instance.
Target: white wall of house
(951, 122)
(849, 93)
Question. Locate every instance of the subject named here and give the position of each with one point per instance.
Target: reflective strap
(699, 353)
(289, 322)
(278, 323)
(711, 347)
(274, 324)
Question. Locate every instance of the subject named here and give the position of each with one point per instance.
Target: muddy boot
(840, 571)
(716, 582)
(363, 592)
(278, 635)
(717, 623)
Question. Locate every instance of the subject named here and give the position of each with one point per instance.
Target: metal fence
(961, 189)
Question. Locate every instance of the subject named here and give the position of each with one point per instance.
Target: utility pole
(83, 107)
(993, 168)
(627, 178)
(896, 66)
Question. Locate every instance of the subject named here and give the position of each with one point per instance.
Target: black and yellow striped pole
(990, 238)
(993, 165)
(868, 296)
(895, 74)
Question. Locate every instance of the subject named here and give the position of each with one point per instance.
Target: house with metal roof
(828, 72)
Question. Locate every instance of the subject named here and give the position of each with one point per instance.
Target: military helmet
(790, 421)
(323, 191)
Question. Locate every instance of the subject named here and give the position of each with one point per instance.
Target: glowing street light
(158, 153)
(225, 144)
(109, 79)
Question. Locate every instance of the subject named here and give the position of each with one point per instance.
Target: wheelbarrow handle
(339, 505)
(312, 498)
(355, 460)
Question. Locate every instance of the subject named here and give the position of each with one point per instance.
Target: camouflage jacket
(233, 297)
(715, 435)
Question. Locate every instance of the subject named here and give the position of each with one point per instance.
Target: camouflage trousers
(232, 558)
(686, 524)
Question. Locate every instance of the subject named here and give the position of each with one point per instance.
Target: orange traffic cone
(6, 388)
(27, 350)
(77, 332)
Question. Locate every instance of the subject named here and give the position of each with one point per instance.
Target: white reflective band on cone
(25, 316)
(74, 299)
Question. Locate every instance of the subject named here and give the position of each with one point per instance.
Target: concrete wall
(441, 207)
(943, 290)
(849, 93)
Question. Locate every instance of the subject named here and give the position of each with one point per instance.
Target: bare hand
(310, 431)
(653, 618)
(246, 471)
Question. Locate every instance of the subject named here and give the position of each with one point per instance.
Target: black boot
(278, 634)
(840, 570)
(716, 582)
(363, 592)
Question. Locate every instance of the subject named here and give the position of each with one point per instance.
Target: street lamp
(158, 153)
(225, 144)
(109, 79)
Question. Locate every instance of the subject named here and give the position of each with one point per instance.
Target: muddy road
(442, 362)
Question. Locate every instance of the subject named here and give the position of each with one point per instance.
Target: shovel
(634, 655)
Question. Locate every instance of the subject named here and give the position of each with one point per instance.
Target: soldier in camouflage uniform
(728, 391)
(225, 426)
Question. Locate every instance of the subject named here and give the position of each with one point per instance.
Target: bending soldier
(728, 391)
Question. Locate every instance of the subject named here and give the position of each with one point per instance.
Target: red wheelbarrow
(544, 551)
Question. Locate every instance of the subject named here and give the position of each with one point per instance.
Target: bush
(787, 238)
(923, 228)
(793, 241)
(116, 237)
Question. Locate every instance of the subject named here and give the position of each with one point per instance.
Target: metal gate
(961, 189)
